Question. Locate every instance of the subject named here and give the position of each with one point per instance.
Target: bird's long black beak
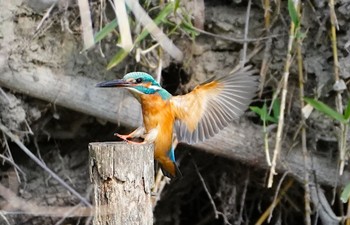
(114, 83)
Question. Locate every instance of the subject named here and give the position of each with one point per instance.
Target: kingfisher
(195, 116)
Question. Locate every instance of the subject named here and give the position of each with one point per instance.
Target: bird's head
(138, 83)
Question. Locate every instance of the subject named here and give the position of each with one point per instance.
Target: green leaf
(121, 54)
(293, 13)
(271, 119)
(276, 106)
(117, 58)
(162, 15)
(106, 30)
(345, 194)
(256, 109)
(300, 35)
(347, 111)
(189, 28)
(177, 5)
(262, 112)
(320, 106)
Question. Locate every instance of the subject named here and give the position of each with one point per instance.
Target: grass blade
(320, 106)
(293, 13)
(276, 109)
(147, 22)
(106, 30)
(162, 15)
(347, 111)
(121, 54)
(123, 25)
(345, 194)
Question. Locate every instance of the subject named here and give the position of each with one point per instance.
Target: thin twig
(5, 95)
(348, 213)
(160, 65)
(66, 214)
(47, 14)
(206, 191)
(321, 204)
(267, 14)
(283, 102)
(143, 18)
(158, 187)
(255, 51)
(244, 194)
(266, 59)
(12, 160)
(13, 164)
(236, 40)
(102, 7)
(265, 65)
(216, 212)
(246, 28)
(15, 139)
(29, 208)
(4, 218)
(276, 200)
(338, 101)
(303, 136)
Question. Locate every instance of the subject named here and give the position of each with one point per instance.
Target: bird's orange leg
(150, 137)
(139, 132)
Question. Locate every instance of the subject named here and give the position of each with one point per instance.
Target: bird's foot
(123, 137)
(136, 143)
(126, 138)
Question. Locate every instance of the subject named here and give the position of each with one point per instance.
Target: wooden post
(123, 176)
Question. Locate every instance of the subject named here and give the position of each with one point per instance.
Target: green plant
(265, 114)
(321, 107)
(345, 195)
(161, 19)
(266, 117)
(343, 119)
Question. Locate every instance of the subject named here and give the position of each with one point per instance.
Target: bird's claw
(125, 138)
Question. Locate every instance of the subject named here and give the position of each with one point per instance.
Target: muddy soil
(59, 137)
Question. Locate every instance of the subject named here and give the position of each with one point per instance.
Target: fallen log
(75, 92)
(241, 141)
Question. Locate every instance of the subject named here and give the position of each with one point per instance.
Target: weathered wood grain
(77, 93)
(122, 175)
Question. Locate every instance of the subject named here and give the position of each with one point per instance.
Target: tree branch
(241, 141)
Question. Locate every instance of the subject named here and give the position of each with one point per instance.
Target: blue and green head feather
(138, 83)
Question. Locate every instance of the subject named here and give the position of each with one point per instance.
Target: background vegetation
(284, 162)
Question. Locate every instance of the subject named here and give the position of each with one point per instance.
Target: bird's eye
(138, 80)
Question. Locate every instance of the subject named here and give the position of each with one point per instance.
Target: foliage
(265, 115)
(293, 13)
(320, 106)
(165, 17)
(342, 118)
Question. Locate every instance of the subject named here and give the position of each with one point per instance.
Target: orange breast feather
(157, 114)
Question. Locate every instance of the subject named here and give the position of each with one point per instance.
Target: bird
(195, 116)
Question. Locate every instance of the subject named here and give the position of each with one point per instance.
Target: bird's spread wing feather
(210, 107)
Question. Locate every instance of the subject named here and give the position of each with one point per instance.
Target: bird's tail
(171, 169)
(169, 166)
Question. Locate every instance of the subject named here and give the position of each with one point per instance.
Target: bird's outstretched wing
(210, 107)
